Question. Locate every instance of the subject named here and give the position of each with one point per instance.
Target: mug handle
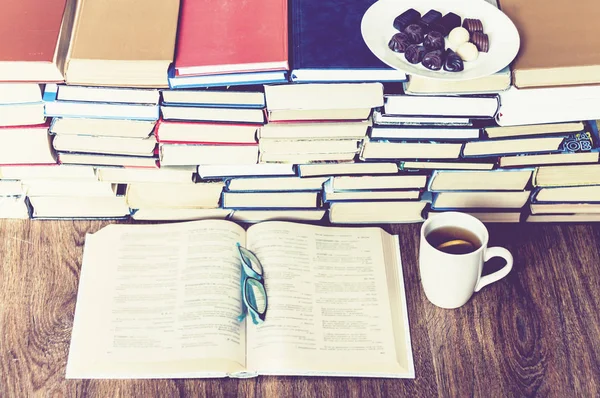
(501, 273)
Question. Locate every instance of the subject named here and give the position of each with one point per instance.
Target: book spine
(51, 126)
(295, 37)
(177, 82)
(210, 105)
(50, 93)
(497, 106)
(434, 174)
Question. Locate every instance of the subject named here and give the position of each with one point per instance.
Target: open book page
(328, 310)
(395, 281)
(158, 301)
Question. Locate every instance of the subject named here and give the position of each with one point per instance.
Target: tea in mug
(453, 240)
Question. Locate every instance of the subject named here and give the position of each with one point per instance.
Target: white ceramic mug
(449, 280)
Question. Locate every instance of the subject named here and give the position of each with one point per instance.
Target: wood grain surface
(535, 333)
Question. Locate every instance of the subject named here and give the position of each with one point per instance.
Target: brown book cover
(35, 37)
(559, 42)
(127, 43)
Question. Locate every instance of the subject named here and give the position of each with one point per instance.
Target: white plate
(377, 29)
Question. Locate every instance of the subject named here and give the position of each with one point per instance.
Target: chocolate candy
(414, 33)
(399, 42)
(481, 41)
(406, 18)
(447, 23)
(434, 40)
(467, 51)
(453, 62)
(414, 53)
(430, 18)
(472, 25)
(433, 60)
(458, 36)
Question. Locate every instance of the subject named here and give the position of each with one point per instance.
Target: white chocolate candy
(458, 36)
(468, 52)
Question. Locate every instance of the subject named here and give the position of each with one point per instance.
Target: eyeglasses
(254, 294)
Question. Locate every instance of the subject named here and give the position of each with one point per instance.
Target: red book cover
(30, 31)
(44, 126)
(229, 36)
(210, 143)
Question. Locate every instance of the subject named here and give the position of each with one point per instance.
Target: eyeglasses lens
(251, 260)
(256, 295)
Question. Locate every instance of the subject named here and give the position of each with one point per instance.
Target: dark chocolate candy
(406, 18)
(434, 40)
(430, 18)
(472, 25)
(414, 53)
(481, 41)
(433, 60)
(414, 33)
(447, 23)
(399, 42)
(453, 62)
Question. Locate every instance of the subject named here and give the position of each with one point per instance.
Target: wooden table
(537, 332)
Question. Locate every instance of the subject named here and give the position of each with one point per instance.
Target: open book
(162, 301)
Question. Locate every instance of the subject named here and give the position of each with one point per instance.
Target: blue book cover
(226, 79)
(586, 140)
(327, 44)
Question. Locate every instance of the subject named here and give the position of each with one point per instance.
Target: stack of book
(264, 198)
(542, 144)
(492, 196)
(175, 200)
(546, 88)
(61, 191)
(306, 123)
(35, 39)
(566, 193)
(192, 110)
(375, 199)
(428, 128)
(517, 154)
(103, 126)
(24, 145)
(317, 122)
(12, 199)
(164, 187)
(210, 127)
(21, 105)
